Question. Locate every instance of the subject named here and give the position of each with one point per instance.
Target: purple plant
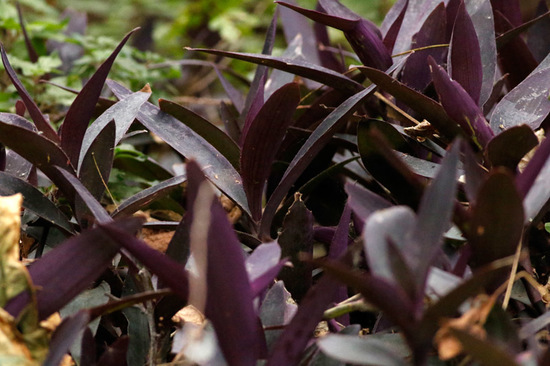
(400, 196)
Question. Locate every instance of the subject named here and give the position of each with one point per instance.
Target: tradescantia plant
(396, 207)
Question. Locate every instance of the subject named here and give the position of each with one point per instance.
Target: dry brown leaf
(471, 321)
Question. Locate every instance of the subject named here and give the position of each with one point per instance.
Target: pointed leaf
(296, 335)
(185, 141)
(380, 293)
(415, 16)
(395, 225)
(317, 140)
(34, 201)
(262, 142)
(386, 167)
(515, 58)
(148, 195)
(234, 319)
(89, 200)
(364, 202)
(40, 121)
(33, 56)
(40, 151)
(363, 35)
(67, 270)
(392, 23)
(527, 103)
(297, 237)
(276, 310)
(464, 60)
(216, 137)
(301, 68)
(416, 73)
(81, 111)
(98, 160)
(123, 113)
(481, 14)
(263, 265)
(460, 106)
(64, 336)
(434, 217)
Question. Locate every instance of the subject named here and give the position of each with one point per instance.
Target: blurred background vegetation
(70, 50)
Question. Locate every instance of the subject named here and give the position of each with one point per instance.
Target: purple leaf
(497, 224)
(537, 42)
(415, 15)
(148, 195)
(185, 141)
(416, 73)
(295, 28)
(64, 272)
(426, 107)
(297, 67)
(40, 121)
(40, 151)
(33, 56)
(509, 147)
(527, 103)
(385, 166)
(266, 255)
(317, 140)
(363, 36)
(291, 344)
(64, 336)
(474, 172)
(395, 16)
(34, 201)
(233, 318)
(481, 14)
(97, 161)
(123, 113)
(205, 129)
(460, 106)
(532, 183)
(262, 141)
(514, 57)
(395, 225)
(17, 166)
(89, 200)
(379, 292)
(364, 202)
(338, 247)
(434, 217)
(276, 310)
(464, 59)
(263, 265)
(234, 94)
(81, 111)
(510, 9)
(295, 238)
(256, 103)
